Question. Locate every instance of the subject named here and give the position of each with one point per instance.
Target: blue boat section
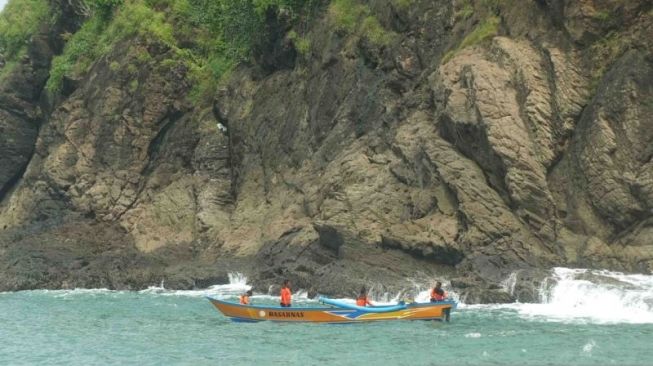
(261, 307)
(384, 309)
(243, 320)
(362, 309)
(454, 305)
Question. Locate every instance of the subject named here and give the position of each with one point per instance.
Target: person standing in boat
(362, 299)
(286, 295)
(437, 293)
(244, 298)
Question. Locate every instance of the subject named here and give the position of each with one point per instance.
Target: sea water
(603, 319)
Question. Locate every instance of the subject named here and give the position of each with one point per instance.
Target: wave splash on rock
(589, 296)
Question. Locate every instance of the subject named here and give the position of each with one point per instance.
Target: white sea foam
(593, 296)
(509, 283)
(236, 286)
(71, 292)
(596, 296)
(79, 291)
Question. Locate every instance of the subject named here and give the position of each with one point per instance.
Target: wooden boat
(339, 313)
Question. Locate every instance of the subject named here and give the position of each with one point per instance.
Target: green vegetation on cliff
(209, 36)
(487, 29)
(19, 20)
(100, 33)
(302, 44)
(352, 17)
(603, 53)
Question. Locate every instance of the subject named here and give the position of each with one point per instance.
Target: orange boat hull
(251, 313)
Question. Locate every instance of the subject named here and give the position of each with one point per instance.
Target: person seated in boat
(362, 299)
(244, 298)
(437, 293)
(286, 295)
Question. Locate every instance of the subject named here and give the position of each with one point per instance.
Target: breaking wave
(599, 296)
(236, 286)
(584, 295)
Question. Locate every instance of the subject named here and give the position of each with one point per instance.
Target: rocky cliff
(381, 143)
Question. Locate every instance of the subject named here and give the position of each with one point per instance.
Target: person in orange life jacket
(437, 293)
(286, 295)
(362, 300)
(244, 298)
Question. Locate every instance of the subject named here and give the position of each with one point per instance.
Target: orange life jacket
(437, 297)
(285, 296)
(362, 301)
(244, 299)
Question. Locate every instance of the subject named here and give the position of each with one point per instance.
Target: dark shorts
(285, 305)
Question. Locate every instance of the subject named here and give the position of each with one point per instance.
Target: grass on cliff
(234, 30)
(604, 52)
(99, 34)
(463, 10)
(352, 17)
(403, 4)
(209, 36)
(302, 44)
(484, 31)
(19, 20)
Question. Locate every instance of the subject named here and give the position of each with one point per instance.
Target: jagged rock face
(96, 145)
(355, 165)
(613, 149)
(609, 164)
(20, 92)
(16, 148)
(511, 109)
(20, 113)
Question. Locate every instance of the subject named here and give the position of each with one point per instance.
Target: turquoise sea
(579, 323)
